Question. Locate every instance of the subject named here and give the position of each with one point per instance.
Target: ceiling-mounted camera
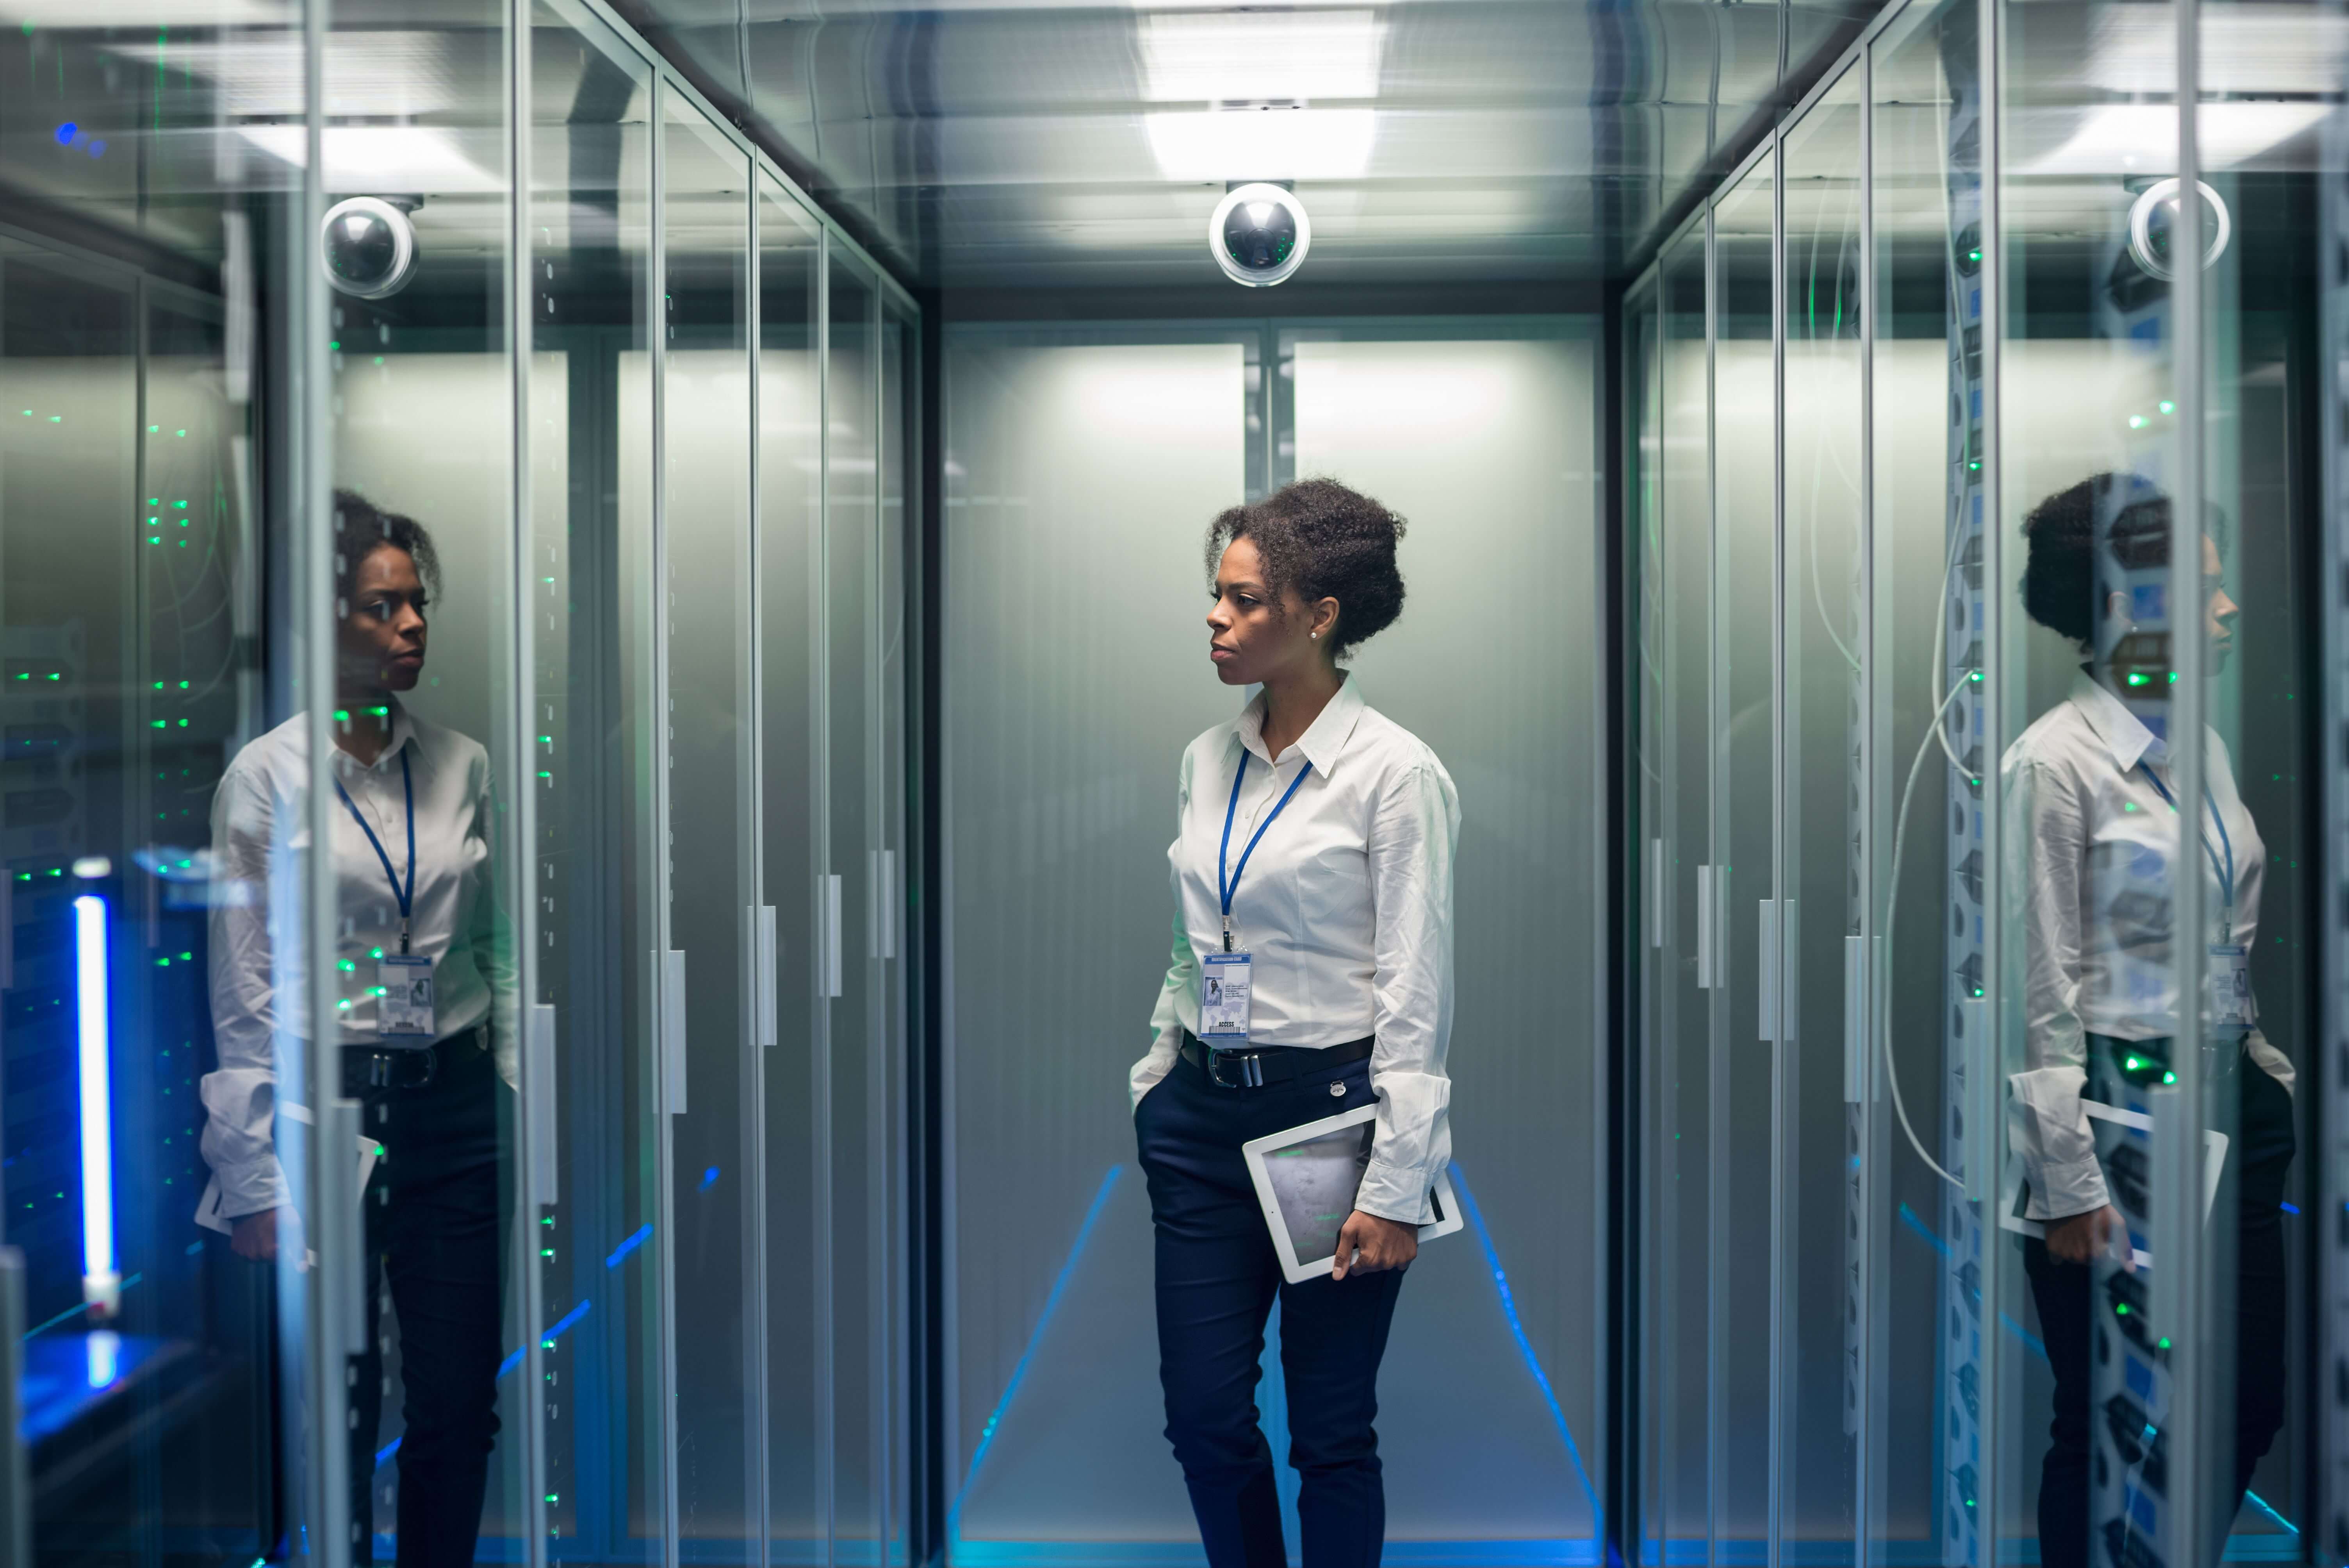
(367, 246)
(2155, 222)
(1259, 235)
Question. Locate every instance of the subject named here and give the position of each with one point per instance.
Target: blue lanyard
(2227, 876)
(1227, 885)
(407, 895)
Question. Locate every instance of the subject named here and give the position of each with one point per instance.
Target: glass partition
(1747, 1201)
(1822, 1167)
(789, 540)
(593, 738)
(1038, 427)
(2033, 1044)
(1677, 580)
(160, 615)
(1921, 1350)
(425, 769)
(1484, 434)
(2099, 885)
(856, 1090)
(356, 1208)
(895, 941)
(715, 1257)
(2248, 633)
(1373, 404)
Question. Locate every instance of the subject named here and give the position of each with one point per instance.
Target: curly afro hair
(362, 528)
(2059, 578)
(1326, 542)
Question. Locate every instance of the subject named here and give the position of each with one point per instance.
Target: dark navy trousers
(1216, 1278)
(436, 1223)
(2254, 1313)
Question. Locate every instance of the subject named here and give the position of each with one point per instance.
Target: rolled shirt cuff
(2061, 1189)
(252, 1188)
(1396, 1193)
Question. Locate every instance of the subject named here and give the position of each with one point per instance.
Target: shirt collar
(1324, 740)
(403, 732)
(2123, 733)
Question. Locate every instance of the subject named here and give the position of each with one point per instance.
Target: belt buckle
(391, 1070)
(1250, 1064)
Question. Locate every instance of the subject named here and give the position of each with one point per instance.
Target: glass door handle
(672, 1016)
(538, 1097)
(762, 942)
(1767, 990)
(1855, 1017)
(828, 923)
(1656, 922)
(345, 1283)
(1704, 907)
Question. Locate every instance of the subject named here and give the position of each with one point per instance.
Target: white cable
(1892, 904)
(1900, 834)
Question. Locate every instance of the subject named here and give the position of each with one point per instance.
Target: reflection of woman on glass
(425, 980)
(2094, 841)
(1314, 848)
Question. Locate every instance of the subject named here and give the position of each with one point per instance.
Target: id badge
(1224, 983)
(403, 1006)
(2230, 986)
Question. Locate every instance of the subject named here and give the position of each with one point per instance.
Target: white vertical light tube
(101, 1281)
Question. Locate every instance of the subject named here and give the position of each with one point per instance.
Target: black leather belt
(1254, 1067)
(375, 1069)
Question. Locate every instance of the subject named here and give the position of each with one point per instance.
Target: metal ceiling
(1035, 145)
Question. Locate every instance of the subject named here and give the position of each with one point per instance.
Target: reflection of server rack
(1968, 1344)
(44, 740)
(44, 737)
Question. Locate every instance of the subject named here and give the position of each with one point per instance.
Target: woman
(2096, 839)
(1315, 838)
(424, 977)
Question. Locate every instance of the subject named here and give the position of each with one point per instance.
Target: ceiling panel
(1027, 143)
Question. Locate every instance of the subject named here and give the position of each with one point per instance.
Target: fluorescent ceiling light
(81, 17)
(1262, 143)
(1255, 56)
(2248, 47)
(379, 158)
(389, 74)
(2142, 137)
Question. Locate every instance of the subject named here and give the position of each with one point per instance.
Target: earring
(1315, 635)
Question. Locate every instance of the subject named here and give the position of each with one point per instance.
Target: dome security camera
(368, 247)
(1259, 235)
(2158, 227)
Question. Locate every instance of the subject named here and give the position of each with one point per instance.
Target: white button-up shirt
(1345, 908)
(263, 802)
(2091, 857)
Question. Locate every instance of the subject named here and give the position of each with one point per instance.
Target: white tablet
(1307, 1177)
(2010, 1207)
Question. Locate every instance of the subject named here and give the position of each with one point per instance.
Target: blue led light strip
(1027, 1354)
(1517, 1332)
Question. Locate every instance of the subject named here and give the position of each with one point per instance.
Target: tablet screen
(1315, 1182)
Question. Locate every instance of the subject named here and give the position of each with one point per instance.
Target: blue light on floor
(630, 1245)
(103, 1353)
(1517, 1332)
(1909, 1218)
(2269, 1508)
(1027, 1353)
